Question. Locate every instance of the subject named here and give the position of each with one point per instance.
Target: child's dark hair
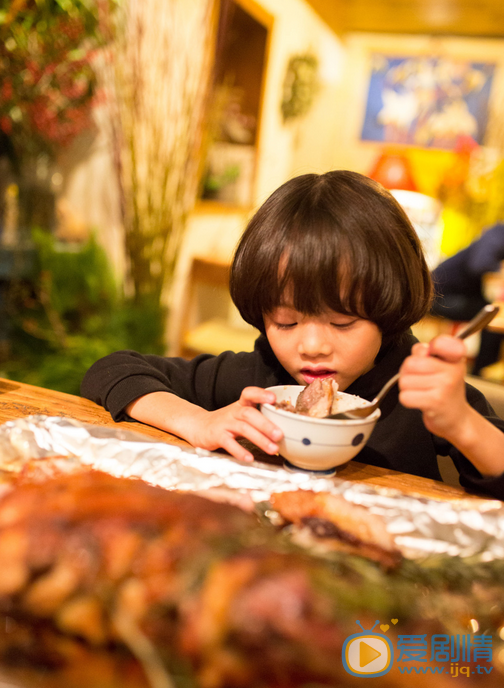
(337, 240)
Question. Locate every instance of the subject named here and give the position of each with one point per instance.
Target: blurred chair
(493, 391)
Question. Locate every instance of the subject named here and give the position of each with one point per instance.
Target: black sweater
(399, 441)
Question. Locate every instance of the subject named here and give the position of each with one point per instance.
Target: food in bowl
(320, 399)
(317, 398)
(313, 444)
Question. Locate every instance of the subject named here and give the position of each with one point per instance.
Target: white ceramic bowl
(316, 444)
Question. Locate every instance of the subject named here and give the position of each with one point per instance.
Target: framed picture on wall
(427, 101)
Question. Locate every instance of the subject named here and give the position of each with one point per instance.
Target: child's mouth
(311, 375)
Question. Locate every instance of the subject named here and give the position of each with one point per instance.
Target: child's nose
(314, 342)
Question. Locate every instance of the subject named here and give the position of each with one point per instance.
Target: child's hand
(432, 380)
(219, 429)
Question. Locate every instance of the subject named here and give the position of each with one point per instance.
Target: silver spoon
(479, 321)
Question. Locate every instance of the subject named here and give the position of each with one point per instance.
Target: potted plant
(46, 94)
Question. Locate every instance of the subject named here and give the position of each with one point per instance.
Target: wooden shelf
(217, 335)
(210, 323)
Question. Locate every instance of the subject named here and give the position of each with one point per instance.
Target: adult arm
(486, 254)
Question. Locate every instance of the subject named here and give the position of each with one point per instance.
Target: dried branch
(160, 76)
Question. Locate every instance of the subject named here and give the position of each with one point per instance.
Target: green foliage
(69, 314)
(300, 86)
(215, 182)
(46, 74)
(81, 281)
(32, 12)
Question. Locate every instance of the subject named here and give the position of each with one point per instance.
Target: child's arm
(212, 429)
(432, 380)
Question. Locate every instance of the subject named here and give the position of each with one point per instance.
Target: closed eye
(285, 326)
(344, 326)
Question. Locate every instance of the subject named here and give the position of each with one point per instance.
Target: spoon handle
(385, 389)
(479, 321)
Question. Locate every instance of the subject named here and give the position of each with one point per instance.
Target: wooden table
(18, 400)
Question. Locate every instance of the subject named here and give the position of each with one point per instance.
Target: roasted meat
(316, 399)
(116, 562)
(96, 571)
(336, 521)
(319, 399)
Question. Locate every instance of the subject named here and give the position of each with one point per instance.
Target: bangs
(314, 275)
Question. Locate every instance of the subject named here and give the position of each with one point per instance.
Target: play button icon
(367, 654)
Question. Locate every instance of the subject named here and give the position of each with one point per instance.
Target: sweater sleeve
(208, 381)
(485, 254)
(470, 477)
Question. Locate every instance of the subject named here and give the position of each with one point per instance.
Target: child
(331, 271)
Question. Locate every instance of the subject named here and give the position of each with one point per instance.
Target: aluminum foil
(419, 526)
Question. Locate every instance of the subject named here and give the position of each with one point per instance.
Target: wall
(306, 144)
(428, 165)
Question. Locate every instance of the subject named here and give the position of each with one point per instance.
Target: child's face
(313, 346)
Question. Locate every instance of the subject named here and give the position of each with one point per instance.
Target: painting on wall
(426, 101)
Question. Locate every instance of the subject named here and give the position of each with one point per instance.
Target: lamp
(393, 171)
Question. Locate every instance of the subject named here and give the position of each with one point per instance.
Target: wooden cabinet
(240, 63)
